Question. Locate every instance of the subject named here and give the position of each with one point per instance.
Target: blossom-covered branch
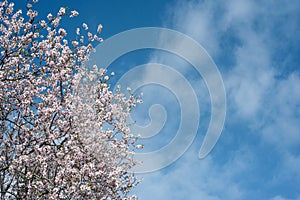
(63, 132)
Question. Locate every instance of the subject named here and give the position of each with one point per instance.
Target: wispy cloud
(255, 45)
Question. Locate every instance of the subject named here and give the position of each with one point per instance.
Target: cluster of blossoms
(63, 132)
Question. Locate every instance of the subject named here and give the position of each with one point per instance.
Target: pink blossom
(75, 43)
(65, 133)
(62, 32)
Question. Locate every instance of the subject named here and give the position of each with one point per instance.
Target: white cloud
(192, 179)
(283, 198)
(278, 198)
(283, 106)
(258, 99)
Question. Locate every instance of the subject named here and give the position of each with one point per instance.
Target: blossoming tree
(63, 132)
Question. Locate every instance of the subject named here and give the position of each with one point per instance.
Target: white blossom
(85, 26)
(49, 16)
(61, 11)
(74, 13)
(99, 28)
(64, 132)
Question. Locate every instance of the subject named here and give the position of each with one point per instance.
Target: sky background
(256, 46)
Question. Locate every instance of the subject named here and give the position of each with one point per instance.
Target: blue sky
(256, 47)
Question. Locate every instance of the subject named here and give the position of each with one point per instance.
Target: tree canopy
(63, 132)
